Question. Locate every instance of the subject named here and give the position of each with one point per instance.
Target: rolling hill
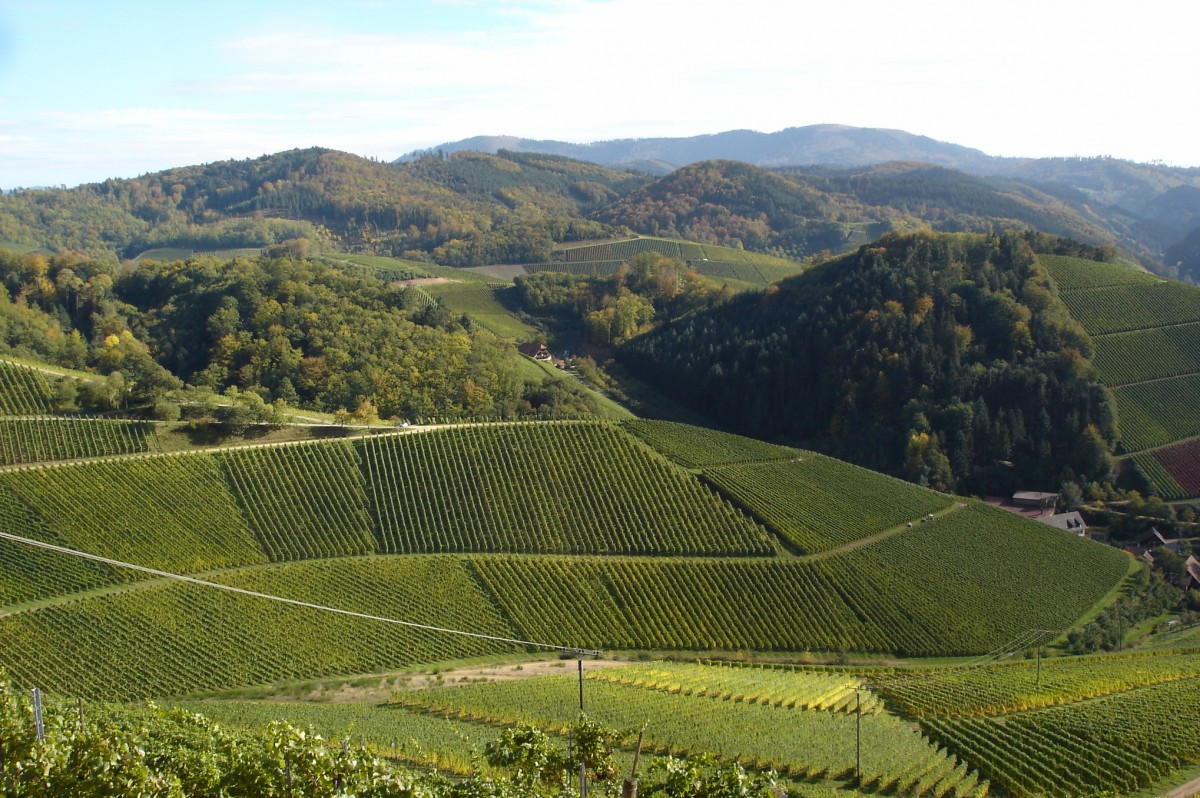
(575, 534)
(1149, 208)
(943, 358)
(1146, 334)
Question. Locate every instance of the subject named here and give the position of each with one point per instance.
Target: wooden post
(582, 765)
(38, 725)
(629, 787)
(858, 740)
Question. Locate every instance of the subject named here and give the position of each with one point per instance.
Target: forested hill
(326, 197)
(472, 208)
(946, 359)
(801, 212)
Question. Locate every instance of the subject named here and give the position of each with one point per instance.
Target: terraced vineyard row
(497, 489)
(1180, 468)
(478, 300)
(302, 501)
(767, 605)
(789, 689)
(1120, 308)
(945, 587)
(40, 440)
(1161, 480)
(818, 503)
(586, 268)
(1120, 743)
(1124, 358)
(624, 250)
(24, 391)
(170, 513)
(1158, 413)
(167, 640)
(1014, 687)
(698, 447)
(960, 575)
(719, 270)
(1073, 274)
(28, 574)
(807, 744)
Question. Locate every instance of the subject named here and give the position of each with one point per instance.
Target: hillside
(510, 206)
(471, 208)
(802, 212)
(946, 359)
(575, 534)
(1148, 208)
(1146, 333)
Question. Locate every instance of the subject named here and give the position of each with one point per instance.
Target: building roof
(1034, 496)
(1071, 522)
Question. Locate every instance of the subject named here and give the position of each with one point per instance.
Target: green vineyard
(1119, 743)
(47, 439)
(817, 503)
(171, 513)
(802, 743)
(24, 391)
(1158, 413)
(478, 300)
(1073, 274)
(303, 502)
(1138, 306)
(171, 639)
(587, 535)
(1146, 332)
(697, 447)
(505, 488)
(1124, 358)
(1027, 685)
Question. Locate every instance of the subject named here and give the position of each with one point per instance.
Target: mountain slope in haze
(943, 358)
(1148, 206)
(796, 146)
(799, 213)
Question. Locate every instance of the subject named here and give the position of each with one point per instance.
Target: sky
(91, 89)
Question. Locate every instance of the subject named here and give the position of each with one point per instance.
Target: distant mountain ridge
(1152, 208)
(797, 146)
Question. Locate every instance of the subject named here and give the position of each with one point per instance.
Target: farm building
(1030, 498)
(1071, 522)
(535, 350)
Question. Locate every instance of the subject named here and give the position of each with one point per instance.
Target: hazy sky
(116, 88)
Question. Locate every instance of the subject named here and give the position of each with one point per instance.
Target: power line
(294, 602)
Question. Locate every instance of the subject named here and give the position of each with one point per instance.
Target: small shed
(1032, 498)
